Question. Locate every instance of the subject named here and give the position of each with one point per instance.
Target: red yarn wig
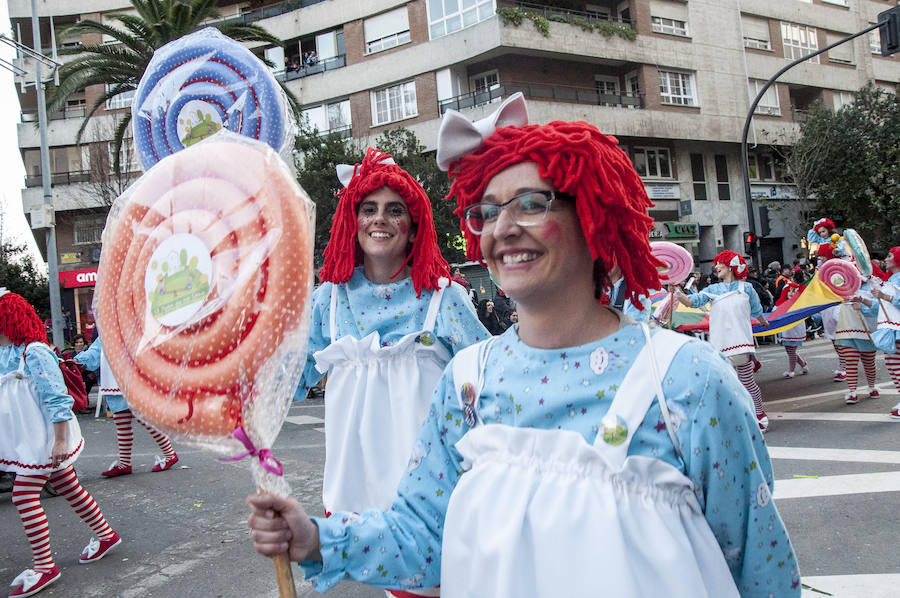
(19, 322)
(826, 222)
(579, 161)
(343, 254)
(727, 257)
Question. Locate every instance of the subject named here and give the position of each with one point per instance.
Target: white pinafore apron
(109, 389)
(376, 399)
(26, 432)
(888, 320)
(850, 322)
(829, 321)
(730, 329)
(797, 332)
(541, 513)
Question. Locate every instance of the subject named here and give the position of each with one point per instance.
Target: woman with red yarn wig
(385, 322)
(579, 452)
(734, 302)
(39, 441)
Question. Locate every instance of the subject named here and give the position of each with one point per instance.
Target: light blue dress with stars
(556, 389)
(393, 310)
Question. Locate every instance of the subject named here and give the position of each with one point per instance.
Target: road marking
(885, 388)
(852, 586)
(827, 454)
(301, 420)
(837, 485)
(833, 417)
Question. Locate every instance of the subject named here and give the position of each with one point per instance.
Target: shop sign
(71, 279)
(773, 192)
(663, 190)
(675, 231)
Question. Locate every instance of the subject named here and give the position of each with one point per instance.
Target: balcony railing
(566, 94)
(573, 17)
(60, 178)
(328, 64)
(267, 12)
(32, 116)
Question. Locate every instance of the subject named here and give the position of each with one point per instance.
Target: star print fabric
(392, 310)
(572, 389)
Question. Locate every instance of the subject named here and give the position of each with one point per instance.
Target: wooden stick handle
(285, 576)
(865, 326)
(671, 307)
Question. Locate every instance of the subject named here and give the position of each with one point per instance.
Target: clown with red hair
(385, 322)
(40, 441)
(734, 303)
(820, 234)
(562, 457)
(887, 336)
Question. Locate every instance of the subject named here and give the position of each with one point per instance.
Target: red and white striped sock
(841, 366)
(792, 357)
(161, 439)
(892, 363)
(66, 483)
(124, 436)
(801, 361)
(26, 496)
(868, 361)
(850, 360)
(745, 375)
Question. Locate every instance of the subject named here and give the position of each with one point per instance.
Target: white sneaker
(895, 412)
(851, 398)
(788, 374)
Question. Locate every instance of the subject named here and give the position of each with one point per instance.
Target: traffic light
(749, 243)
(889, 30)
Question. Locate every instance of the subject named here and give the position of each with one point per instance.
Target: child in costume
(857, 319)
(792, 338)
(887, 336)
(385, 322)
(39, 441)
(820, 233)
(93, 359)
(579, 452)
(734, 302)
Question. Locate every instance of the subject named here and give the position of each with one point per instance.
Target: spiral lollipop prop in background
(203, 299)
(200, 84)
(860, 254)
(678, 264)
(843, 278)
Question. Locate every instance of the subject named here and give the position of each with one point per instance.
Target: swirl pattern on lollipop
(242, 208)
(840, 276)
(859, 251)
(199, 84)
(677, 259)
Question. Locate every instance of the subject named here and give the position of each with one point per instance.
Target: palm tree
(120, 65)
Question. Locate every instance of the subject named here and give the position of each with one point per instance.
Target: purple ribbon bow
(266, 459)
(458, 136)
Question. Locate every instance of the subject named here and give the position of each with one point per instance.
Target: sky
(12, 172)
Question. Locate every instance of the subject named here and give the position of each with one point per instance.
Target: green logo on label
(205, 127)
(176, 289)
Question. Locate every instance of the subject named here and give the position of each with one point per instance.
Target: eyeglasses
(526, 209)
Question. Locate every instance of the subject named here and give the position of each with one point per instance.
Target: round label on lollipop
(197, 120)
(178, 279)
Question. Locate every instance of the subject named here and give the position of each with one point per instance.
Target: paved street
(838, 488)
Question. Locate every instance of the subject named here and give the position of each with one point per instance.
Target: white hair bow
(3, 291)
(458, 136)
(345, 172)
(736, 263)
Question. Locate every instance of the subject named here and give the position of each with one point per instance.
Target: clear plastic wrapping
(201, 83)
(203, 295)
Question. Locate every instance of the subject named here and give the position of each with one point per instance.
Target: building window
(843, 98)
(653, 162)
(88, 231)
(607, 86)
(837, 2)
(756, 33)
(761, 167)
(670, 26)
(722, 185)
(799, 41)
(768, 104)
(332, 117)
(123, 100)
(448, 16)
(394, 103)
(842, 53)
(386, 30)
(128, 160)
(677, 88)
(482, 85)
(698, 174)
(875, 41)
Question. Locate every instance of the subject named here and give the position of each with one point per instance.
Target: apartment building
(671, 79)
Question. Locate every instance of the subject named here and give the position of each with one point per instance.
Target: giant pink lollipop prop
(840, 276)
(678, 262)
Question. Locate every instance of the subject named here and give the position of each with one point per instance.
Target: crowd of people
(482, 446)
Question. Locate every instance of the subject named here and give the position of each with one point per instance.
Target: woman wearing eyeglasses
(384, 324)
(579, 453)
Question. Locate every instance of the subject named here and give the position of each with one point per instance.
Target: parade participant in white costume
(578, 452)
(887, 336)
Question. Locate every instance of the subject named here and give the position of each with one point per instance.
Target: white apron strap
(468, 378)
(332, 319)
(434, 305)
(637, 391)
